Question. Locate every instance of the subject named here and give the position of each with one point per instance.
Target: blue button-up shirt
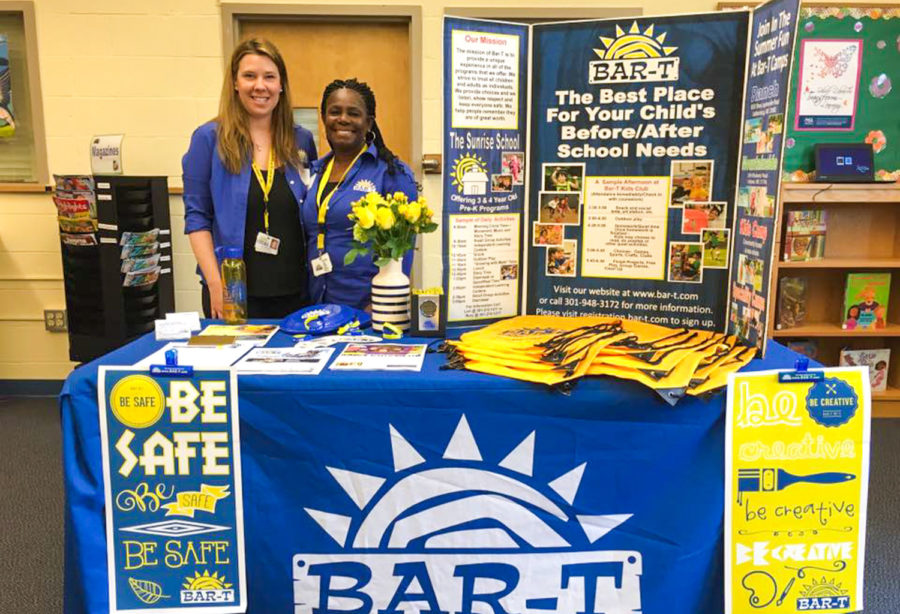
(350, 285)
(215, 199)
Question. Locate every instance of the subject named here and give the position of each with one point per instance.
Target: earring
(370, 136)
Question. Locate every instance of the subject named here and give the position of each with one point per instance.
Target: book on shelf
(791, 302)
(876, 360)
(866, 301)
(804, 235)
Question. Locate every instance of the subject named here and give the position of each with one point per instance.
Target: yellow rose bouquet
(387, 226)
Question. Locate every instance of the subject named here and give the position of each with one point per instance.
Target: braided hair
(361, 88)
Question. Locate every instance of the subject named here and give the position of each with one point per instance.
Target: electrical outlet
(55, 320)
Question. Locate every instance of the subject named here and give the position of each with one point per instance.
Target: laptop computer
(845, 163)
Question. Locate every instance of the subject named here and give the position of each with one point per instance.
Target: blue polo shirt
(350, 285)
(215, 199)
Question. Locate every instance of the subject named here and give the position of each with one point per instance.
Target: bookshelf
(863, 234)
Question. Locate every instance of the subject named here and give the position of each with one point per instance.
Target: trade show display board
(634, 159)
(796, 483)
(485, 96)
(634, 138)
(773, 30)
(846, 61)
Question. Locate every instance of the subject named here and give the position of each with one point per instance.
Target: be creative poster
(627, 202)
(796, 481)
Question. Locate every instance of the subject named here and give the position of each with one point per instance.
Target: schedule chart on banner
(625, 221)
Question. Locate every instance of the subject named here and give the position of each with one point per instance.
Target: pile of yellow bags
(556, 351)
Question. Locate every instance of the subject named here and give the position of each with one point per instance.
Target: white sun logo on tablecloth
(435, 508)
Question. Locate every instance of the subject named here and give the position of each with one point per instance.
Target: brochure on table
(590, 166)
(297, 360)
(796, 481)
(380, 357)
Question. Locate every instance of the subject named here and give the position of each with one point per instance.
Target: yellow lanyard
(323, 204)
(266, 184)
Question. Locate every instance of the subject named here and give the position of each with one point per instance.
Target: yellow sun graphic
(465, 164)
(205, 581)
(823, 588)
(634, 44)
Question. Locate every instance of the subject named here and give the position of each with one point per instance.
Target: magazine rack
(103, 314)
(863, 235)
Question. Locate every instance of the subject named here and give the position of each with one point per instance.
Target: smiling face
(346, 120)
(258, 85)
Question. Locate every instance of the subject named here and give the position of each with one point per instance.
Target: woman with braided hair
(359, 163)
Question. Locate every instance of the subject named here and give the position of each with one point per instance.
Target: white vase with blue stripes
(390, 296)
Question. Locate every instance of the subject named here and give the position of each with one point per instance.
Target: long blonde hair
(232, 131)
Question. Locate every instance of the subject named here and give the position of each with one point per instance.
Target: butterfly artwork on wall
(834, 65)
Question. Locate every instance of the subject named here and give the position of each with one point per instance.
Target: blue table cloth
(447, 491)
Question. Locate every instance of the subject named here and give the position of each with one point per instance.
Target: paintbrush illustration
(771, 479)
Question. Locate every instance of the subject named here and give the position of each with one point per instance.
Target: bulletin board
(874, 118)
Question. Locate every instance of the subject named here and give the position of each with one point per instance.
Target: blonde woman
(243, 186)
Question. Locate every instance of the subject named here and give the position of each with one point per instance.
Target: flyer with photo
(380, 357)
(285, 361)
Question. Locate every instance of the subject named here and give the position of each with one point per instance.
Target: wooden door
(317, 52)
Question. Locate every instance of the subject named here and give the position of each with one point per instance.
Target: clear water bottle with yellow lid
(234, 287)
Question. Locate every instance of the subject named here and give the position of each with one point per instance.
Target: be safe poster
(172, 476)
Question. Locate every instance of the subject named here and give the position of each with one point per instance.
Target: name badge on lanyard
(322, 265)
(266, 243)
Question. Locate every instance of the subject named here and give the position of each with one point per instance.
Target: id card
(266, 244)
(321, 265)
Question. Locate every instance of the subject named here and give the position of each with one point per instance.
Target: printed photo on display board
(513, 164)
(501, 183)
(753, 129)
(690, 181)
(750, 272)
(743, 197)
(715, 248)
(563, 177)
(561, 260)
(700, 216)
(686, 262)
(547, 234)
(560, 208)
(509, 271)
(760, 202)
